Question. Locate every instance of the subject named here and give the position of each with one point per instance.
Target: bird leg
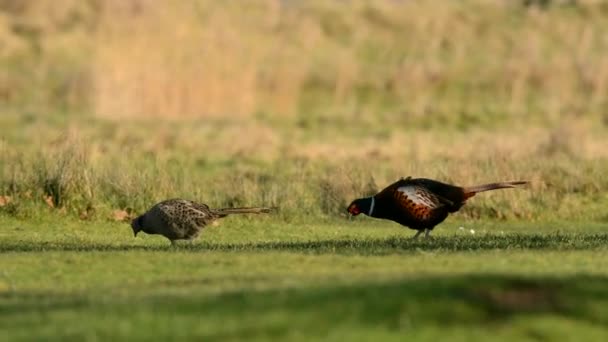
(427, 233)
(416, 236)
(173, 243)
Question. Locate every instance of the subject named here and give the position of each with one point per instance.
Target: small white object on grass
(460, 228)
(472, 231)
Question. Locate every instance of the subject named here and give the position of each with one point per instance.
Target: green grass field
(109, 106)
(337, 280)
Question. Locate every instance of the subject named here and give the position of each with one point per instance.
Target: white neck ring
(371, 207)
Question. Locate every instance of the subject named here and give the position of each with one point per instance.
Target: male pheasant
(179, 219)
(420, 203)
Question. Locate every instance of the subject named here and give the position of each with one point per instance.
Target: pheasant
(420, 203)
(179, 219)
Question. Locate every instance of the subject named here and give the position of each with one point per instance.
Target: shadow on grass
(558, 241)
(394, 305)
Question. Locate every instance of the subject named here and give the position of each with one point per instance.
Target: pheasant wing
(186, 218)
(418, 202)
(199, 213)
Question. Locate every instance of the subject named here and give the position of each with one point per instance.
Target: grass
(107, 107)
(329, 281)
(472, 307)
(309, 63)
(92, 180)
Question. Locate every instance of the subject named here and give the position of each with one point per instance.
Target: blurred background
(107, 106)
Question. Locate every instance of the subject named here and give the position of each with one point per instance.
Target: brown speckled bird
(179, 219)
(420, 203)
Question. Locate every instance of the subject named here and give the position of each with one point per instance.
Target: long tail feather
(472, 190)
(228, 211)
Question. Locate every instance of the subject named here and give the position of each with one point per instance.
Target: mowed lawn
(337, 280)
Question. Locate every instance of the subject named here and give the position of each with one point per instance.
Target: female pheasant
(420, 203)
(179, 219)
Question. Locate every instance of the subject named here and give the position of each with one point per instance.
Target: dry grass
(93, 178)
(391, 59)
(301, 104)
(402, 59)
(406, 61)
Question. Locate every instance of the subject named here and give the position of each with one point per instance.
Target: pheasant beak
(353, 210)
(135, 227)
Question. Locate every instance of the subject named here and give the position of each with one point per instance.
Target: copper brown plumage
(420, 203)
(179, 219)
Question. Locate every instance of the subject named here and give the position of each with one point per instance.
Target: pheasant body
(179, 219)
(420, 203)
